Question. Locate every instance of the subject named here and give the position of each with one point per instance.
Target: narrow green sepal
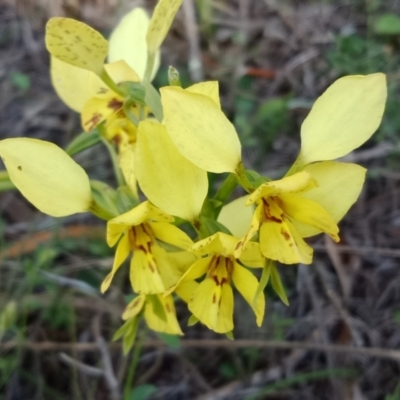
(153, 101)
(83, 141)
(125, 200)
(105, 198)
(192, 320)
(277, 285)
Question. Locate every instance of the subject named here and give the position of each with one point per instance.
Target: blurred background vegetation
(273, 58)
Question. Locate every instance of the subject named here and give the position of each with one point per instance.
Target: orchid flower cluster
(180, 241)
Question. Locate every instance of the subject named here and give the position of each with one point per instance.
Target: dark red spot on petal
(93, 122)
(114, 104)
(285, 234)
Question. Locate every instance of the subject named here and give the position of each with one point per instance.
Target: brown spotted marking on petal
(285, 234)
(168, 308)
(134, 303)
(214, 299)
(93, 122)
(114, 104)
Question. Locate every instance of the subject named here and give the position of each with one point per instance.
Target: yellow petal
(134, 307)
(154, 322)
(220, 243)
(200, 130)
(182, 260)
(185, 290)
(252, 256)
(127, 164)
(254, 227)
(98, 109)
(120, 71)
(160, 22)
(75, 86)
(168, 179)
(302, 181)
(47, 176)
(121, 254)
(339, 185)
(198, 269)
(210, 89)
(246, 283)
(343, 118)
(135, 217)
(309, 212)
(171, 234)
(212, 304)
(236, 216)
(132, 30)
(170, 273)
(76, 43)
(144, 273)
(281, 242)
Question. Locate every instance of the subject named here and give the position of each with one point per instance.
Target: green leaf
(266, 273)
(142, 392)
(172, 341)
(153, 101)
(277, 284)
(130, 336)
(387, 24)
(83, 141)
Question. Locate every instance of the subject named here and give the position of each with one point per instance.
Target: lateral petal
(209, 89)
(171, 325)
(212, 304)
(171, 234)
(200, 130)
(74, 85)
(246, 283)
(47, 176)
(144, 274)
(121, 254)
(236, 216)
(166, 177)
(339, 185)
(134, 307)
(343, 118)
(310, 213)
(278, 241)
(132, 29)
(302, 181)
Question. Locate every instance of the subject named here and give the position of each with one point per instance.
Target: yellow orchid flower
(159, 312)
(152, 270)
(211, 301)
(278, 204)
(47, 176)
(314, 196)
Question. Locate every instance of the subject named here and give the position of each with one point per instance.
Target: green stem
(132, 367)
(225, 190)
(129, 113)
(242, 178)
(114, 160)
(111, 84)
(151, 58)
